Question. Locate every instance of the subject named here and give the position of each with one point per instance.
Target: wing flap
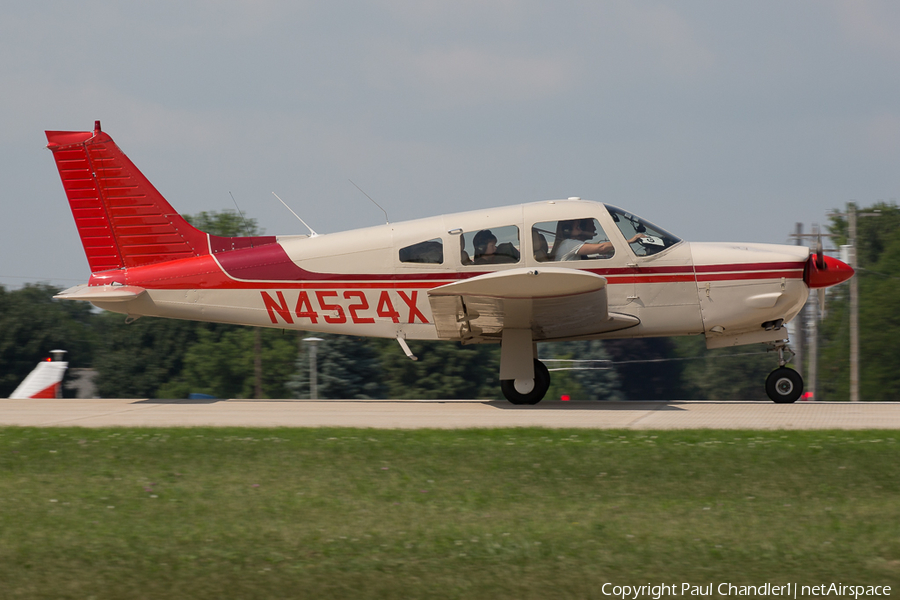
(553, 303)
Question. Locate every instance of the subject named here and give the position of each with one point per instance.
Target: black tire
(784, 385)
(541, 385)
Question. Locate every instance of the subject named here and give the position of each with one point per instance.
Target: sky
(719, 121)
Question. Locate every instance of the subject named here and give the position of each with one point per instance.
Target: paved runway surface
(449, 414)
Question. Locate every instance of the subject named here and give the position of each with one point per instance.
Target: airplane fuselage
(355, 282)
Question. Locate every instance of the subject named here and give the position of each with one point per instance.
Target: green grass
(511, 513)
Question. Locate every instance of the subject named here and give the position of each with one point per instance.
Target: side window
(431, 252)
(494, 246)
(571, 239)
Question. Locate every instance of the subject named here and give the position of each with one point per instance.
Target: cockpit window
(571, 239)
(494, 246)
(429, 252)
(648, 238)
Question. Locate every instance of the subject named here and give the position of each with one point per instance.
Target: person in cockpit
(463, 255)
(571, 241)
(485, 244)
(488, 253)
(539, 243)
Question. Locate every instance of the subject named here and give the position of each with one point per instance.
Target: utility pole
(313, 367)
(852, 215)
(812, 385)
(800, 337)
(854, 307)
(807, 339)
(257, 363)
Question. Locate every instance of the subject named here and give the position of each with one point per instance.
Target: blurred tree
(347, 368)
(220, 362)
(444, 370)
(226, 223)
(644, 368)
(878, 270)
(737, 373)
(32, 324)
(135, 360)
(596, 380)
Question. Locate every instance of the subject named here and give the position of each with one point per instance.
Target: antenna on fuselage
(311, 232)
(243, 220)
(386, 219)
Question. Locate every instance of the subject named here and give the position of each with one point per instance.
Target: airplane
(556, 270)
(45, 381)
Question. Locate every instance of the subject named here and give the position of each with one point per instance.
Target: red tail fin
(122, 219)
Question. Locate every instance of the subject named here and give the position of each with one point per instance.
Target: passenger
(485, 244)
(489, 252)
(539, 243)
(463, 255)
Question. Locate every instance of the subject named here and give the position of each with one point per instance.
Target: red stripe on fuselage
(731, 268)
(749, 276)
(262, 266)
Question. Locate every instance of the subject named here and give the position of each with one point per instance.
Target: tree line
(163, 358)
(878, 273)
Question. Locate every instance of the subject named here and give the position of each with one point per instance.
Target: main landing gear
(527, 391)
(784, 385)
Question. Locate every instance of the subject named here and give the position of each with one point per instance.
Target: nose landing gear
(784, 385)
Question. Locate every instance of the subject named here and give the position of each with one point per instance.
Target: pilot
(571, 241)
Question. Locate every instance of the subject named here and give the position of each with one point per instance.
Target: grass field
(511, 513)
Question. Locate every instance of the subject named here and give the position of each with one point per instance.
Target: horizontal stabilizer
(101, 293)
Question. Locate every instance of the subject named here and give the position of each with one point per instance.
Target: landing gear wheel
(784, 385)
(528, 392)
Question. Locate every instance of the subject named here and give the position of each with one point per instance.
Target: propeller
(823, 271)
(820, 255)
(820, 265)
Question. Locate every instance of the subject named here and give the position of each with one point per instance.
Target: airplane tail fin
(45, 381)
(122, 219)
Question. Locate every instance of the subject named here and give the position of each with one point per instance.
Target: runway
(448, 414)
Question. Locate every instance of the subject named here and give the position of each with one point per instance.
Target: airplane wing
(554, 303)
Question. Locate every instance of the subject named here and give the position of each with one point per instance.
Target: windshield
(648, 238)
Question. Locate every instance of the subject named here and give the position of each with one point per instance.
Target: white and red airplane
(45, 381)
(517, 275)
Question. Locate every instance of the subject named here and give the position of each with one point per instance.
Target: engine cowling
(832, 272)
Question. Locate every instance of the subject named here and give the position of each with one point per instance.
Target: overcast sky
(716, 120)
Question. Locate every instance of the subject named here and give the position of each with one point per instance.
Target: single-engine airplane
(516, 275)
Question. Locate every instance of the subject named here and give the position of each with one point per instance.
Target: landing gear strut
(784, 385)
(531, 391)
